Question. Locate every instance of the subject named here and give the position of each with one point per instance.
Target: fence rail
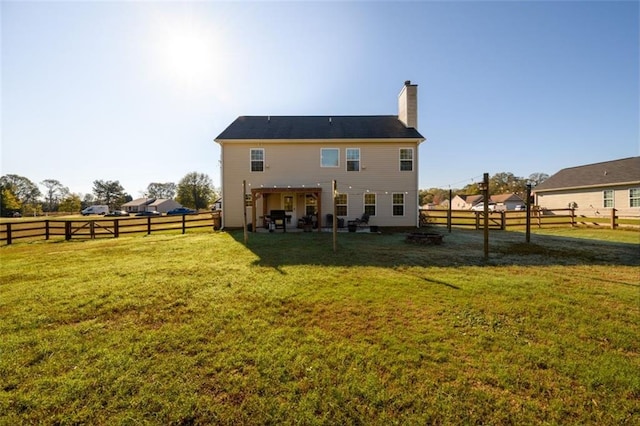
(90, 228)
(505, 219)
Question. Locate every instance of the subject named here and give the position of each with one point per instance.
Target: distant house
(594, 189)
(502, 201)
(465, 202)
(507, 201)
(137, 205)
(163, 205)
(288, 163)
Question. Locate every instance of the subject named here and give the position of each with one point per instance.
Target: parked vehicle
(480, 207)
(118, 213)
(181, 210)
(149, 213)
(520, 208)
(97, 209)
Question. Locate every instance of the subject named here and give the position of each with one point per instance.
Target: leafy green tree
(54, 193)
(23, 189)
(433, 195)
(9, 203)
(195, 190)
(70, 203)
(161, 190)
(109, 192)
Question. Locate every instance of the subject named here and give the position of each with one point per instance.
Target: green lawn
(199, 329)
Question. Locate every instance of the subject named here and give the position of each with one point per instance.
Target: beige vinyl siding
(590, 200)
(297, 165)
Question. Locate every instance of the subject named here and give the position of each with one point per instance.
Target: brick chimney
(408, 105)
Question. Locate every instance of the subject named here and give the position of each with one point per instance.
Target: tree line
(19, 195)
(499, 183)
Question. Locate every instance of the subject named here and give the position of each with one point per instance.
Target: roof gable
(318, 127)
(626, 170)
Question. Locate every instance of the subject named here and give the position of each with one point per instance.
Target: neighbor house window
(329, 157)
(607, 198)
(353, 159)
(370, 204)
(406, 159)
(398, 204)
(341, 205)
(634, 197)
(257, 160)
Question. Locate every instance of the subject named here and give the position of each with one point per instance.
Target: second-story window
(329, 157)
(406, 159)
(257, 159)
(353, 159)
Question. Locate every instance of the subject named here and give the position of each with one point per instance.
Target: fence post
(573, 217)
(184, 222)
(148, 225)
(92, 230)
(46, 229)
(67, 231)
(614, 224)
(503, 219)
(8, 233)
(477, 220)
(116, 230)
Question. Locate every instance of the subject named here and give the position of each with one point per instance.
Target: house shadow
(460, 248)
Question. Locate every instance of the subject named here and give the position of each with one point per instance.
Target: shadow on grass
(460, 248)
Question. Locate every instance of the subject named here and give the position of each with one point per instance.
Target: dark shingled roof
(626, 170)
(318, 127)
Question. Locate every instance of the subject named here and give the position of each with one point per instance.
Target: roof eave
(565, 188)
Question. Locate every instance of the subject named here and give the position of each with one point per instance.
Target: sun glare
(191, 57)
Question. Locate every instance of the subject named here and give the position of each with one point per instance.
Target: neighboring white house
(289, 163)
(594, 189)
(163, 205)
(502, 201)
(137, 205)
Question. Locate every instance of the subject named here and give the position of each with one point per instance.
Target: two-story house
(290, 162)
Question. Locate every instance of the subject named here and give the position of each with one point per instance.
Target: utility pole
(244, 211)
(334, 188)
(528, 227)
(485, 195)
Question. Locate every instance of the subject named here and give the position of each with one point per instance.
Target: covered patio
(312, 201)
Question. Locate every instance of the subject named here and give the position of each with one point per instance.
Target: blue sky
(137, 91)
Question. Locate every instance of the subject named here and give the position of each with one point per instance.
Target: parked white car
(480, 207)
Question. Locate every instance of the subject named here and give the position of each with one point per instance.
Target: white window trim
(264, 162)
(346, 204)
(400, 160)
(634, 198)
(605, 199)
(329, 167)
(375, 205)
(346, 161)
(393, 204)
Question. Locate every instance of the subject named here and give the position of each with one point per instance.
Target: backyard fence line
(92, 228)
(505, 219)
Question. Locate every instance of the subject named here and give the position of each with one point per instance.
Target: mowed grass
(199, 329)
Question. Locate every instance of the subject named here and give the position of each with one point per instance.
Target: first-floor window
(257, 160)
(341, 205)
(607, 198)
(398, 204)
(370, 204)
(634, 197)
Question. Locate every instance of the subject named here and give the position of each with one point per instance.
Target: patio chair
(363, 220)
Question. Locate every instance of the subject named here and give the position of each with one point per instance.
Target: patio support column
(319, 198)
